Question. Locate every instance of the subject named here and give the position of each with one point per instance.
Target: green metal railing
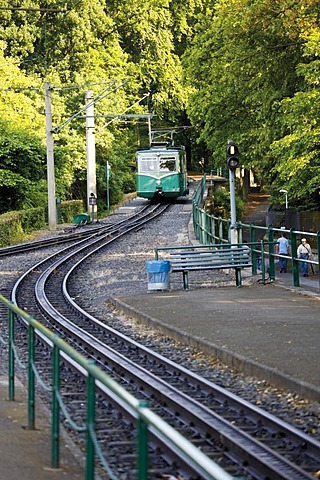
(211, 230)
(146, 419)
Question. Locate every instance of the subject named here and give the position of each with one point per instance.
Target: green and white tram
(161, 171)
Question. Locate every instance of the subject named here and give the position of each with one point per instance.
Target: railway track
(77, 234)
(243, 439)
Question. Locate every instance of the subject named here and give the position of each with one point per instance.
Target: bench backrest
(234, 256)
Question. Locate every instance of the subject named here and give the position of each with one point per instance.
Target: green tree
(22, 168)
(244, 65)
(300, 172)
(22, 151)
(91, 45)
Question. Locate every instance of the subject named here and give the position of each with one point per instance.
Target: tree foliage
(131, 47)
(241, 69)
(252, 65)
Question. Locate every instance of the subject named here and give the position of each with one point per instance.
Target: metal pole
(92, 214)
(286, 194)
(149, 128)
(11, 368)
(91, 150)
(91, 413)
(52, 207)
(31, 378)
(108, 196)
(55, 427)
(143, 454)
(233, 226)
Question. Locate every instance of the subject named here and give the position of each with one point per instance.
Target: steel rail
(40, 289)
(260, 458)
(221, 395)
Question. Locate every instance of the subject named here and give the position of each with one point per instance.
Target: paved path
(257, 207)
(26, 454)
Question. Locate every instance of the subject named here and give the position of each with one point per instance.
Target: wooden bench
(186, 259)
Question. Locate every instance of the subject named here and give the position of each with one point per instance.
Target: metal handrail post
(239, 232)
(220, 227)
(253, 247)
(271, 253)
(208, 227)
(31, 378)
(198, 236)
(263, 265)
(143, 455)
(229, 226)
(195, 219)
(11, 366)
(91, 414)
(55, 430)
(295, 261)
(203, 225)
(213, 229)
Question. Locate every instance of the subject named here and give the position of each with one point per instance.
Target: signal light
(232, 155)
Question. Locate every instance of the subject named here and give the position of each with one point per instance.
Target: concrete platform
(263, 330)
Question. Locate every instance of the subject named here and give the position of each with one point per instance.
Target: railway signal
(233, 162)
(232, 155)
(93, 203)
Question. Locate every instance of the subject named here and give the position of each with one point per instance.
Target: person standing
(303, 252)
(283, 248)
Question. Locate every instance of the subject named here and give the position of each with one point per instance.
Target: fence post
(263, 264)
(195, 219)
(55, 431)
(203, 226)
(31, 378)
(142, 445)
(271, 253)
(220, 226)
(295, 261)
(239, 232)
(208, 230)
(91, 418)
(253, 247)
(11, 369)
(213, 229)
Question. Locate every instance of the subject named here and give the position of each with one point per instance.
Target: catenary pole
(52, 206)
(91, 150)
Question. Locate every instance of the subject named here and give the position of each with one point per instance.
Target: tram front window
(167, 165)
(148, 165)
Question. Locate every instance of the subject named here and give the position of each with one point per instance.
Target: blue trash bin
(158, 272)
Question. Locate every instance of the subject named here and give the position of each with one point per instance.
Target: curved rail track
(243, 439)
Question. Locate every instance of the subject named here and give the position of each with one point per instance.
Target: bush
(10, 229)
(32, 219)
(66, 210)
(15, 225)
